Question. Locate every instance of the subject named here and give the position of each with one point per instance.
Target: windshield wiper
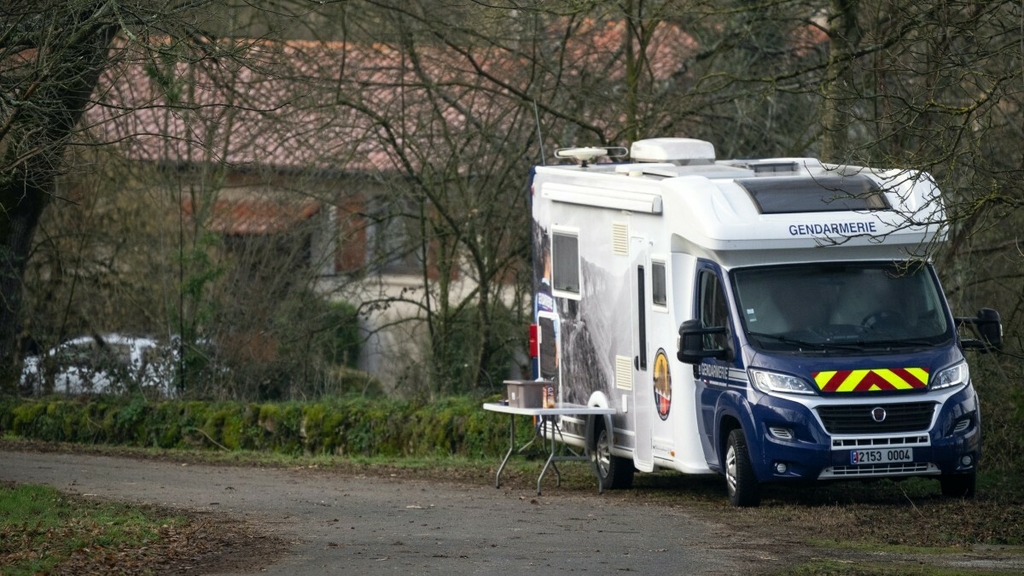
(805, 346)
(786, 340)
(778, 338)
(898, 343)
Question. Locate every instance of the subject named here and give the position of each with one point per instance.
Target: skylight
(821, 194)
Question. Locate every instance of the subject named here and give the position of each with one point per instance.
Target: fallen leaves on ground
(200, 545)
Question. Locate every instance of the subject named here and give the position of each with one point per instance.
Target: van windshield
(829, 306)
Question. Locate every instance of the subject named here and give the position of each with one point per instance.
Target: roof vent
(681, 151)
(761, 168)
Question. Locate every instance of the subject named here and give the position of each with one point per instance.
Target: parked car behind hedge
(109, 363)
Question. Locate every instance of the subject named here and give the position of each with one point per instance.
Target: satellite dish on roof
(588, 154)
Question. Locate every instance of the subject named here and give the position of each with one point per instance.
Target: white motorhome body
(653, 281)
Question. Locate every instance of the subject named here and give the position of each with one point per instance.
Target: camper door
(643, 387)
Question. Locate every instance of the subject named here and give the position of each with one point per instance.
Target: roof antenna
(540, 136)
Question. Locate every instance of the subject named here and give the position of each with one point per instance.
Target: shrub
(354, 425)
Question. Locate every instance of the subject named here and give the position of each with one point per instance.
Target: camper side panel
(582, 303)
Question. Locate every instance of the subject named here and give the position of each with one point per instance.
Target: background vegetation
(353, 426)
(443, 106)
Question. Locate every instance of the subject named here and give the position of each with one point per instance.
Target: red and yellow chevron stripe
(873, 380)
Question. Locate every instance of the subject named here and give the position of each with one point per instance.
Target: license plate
(881, 456)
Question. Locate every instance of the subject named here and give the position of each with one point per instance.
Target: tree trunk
(39, 133)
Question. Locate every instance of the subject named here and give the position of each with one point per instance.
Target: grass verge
(42, 528)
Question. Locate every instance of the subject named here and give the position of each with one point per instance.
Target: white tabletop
(560, 409)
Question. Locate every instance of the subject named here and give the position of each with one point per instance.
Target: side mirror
(989, 328)
(690, 344)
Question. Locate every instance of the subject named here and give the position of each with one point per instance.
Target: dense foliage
(352, 426)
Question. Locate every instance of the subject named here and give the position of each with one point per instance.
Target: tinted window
(714, 311)
(821, 194)
(659, 291)
(565, 263)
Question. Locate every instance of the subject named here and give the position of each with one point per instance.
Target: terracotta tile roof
(326, 105)
(254, 216)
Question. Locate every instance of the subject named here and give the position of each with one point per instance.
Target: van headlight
(955, 375)
(773, 382)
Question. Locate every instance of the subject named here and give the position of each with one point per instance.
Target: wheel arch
(726, 424)
(734, 413)
(598, 400)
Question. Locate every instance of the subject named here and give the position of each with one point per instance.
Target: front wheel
(615, 472)
(739, 474)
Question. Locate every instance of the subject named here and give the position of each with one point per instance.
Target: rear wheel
(958, 485)
(739, 474)
(615, 472)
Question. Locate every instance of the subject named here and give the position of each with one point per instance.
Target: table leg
(554, 456)
(553, 453)
(550, 463)
(511, 448)
(542, 472)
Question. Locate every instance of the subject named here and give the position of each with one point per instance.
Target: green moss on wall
(339, 426)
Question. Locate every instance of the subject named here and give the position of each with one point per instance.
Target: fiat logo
(878, 414)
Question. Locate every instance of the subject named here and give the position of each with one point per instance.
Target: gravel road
(351, 524)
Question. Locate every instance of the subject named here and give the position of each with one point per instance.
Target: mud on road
(309, 521)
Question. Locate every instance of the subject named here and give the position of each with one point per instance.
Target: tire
(958, 485)
(616, 473)
(740, 481)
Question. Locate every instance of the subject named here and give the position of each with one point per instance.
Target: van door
(711, 377)
(643, 386)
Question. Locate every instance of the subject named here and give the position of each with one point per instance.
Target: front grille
(857, 419)
(880, 442)
(899, 469)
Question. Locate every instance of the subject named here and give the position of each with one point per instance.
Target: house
(310, 147)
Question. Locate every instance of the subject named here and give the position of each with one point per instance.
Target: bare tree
(179, 103)
(52, 56)
(433, 111)
(939, 87)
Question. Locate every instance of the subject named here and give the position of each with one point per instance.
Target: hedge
(348, 426)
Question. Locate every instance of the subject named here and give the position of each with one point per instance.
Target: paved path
(339, 524)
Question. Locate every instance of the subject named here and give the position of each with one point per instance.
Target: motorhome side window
(714, 312)
(565, 263)
(659, 291)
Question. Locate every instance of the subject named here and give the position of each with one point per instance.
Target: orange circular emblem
(662, 384)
